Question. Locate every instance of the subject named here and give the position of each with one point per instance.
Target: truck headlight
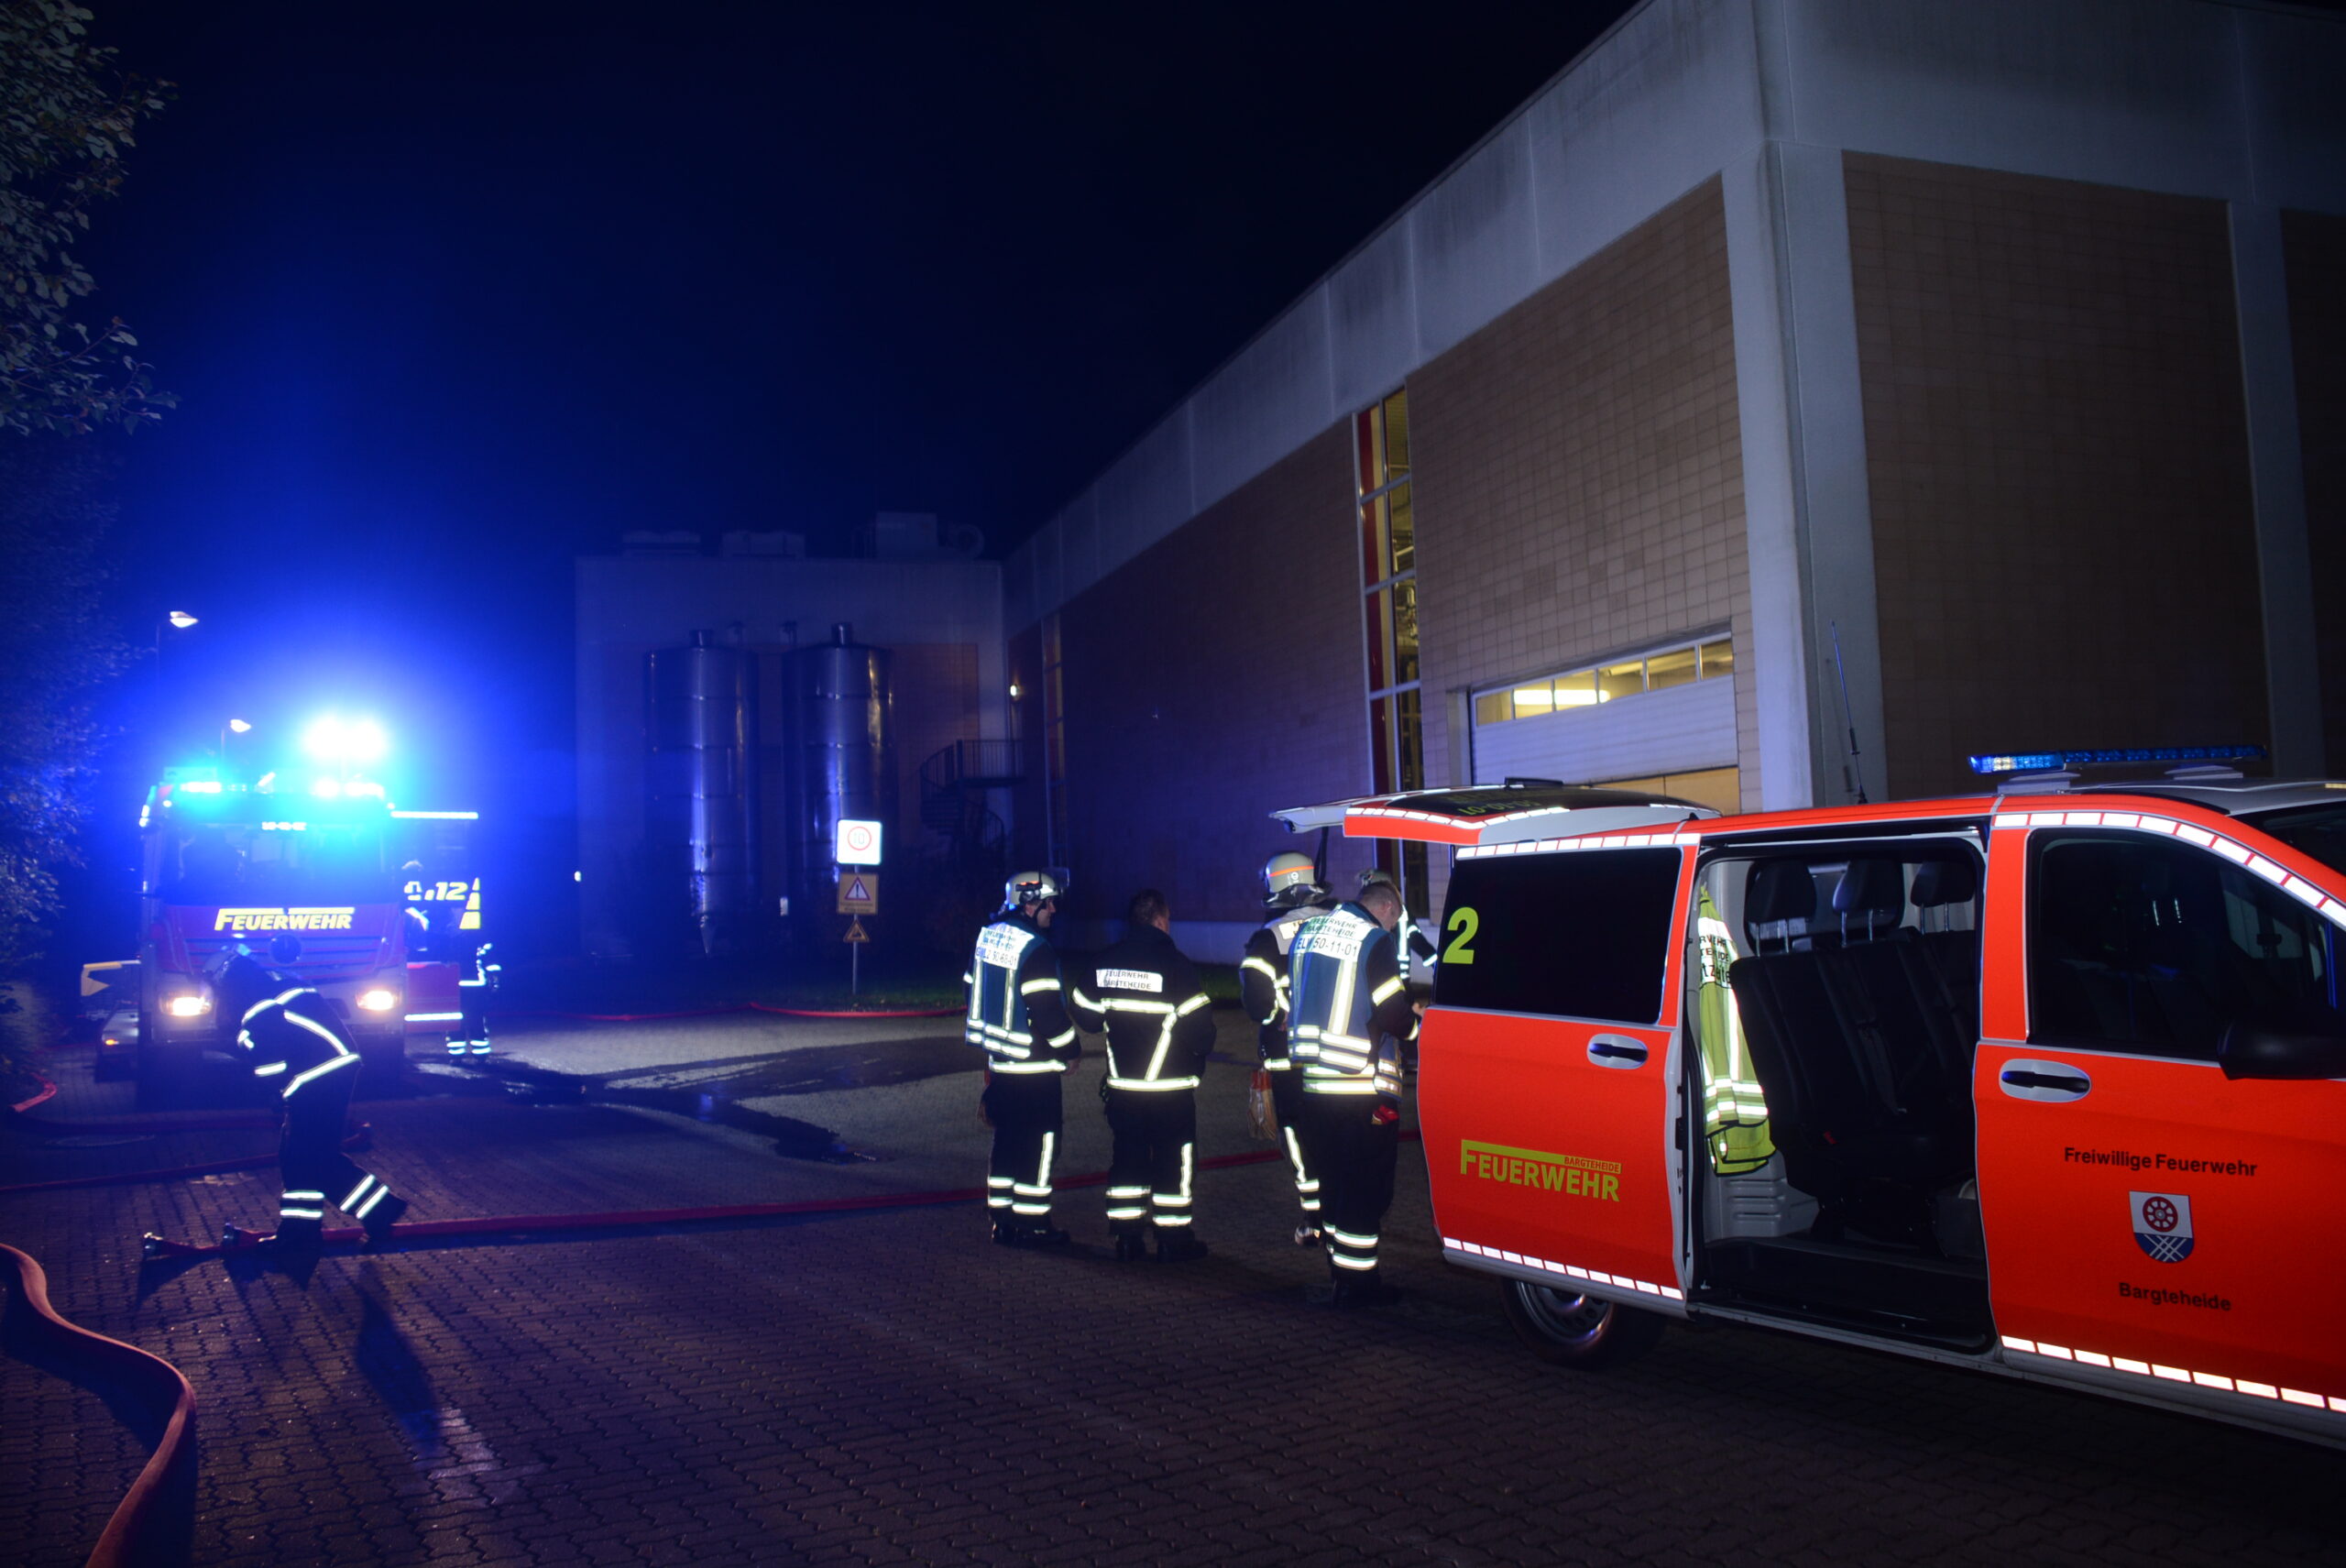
(378, 999)
(188, 1006)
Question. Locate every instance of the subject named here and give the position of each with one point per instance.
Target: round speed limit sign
(858, 842)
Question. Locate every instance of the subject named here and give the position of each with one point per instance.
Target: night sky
(454, 292)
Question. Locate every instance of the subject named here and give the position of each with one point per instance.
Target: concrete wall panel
(1146, 495)
(1264, 404)
(1472, 237)
(1661, 108)
(1373, 320)
(2137, 93)
(2293, 70)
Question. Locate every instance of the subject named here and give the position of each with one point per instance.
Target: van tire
(1564, 1328)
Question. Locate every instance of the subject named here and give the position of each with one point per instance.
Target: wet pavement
(884, 1387)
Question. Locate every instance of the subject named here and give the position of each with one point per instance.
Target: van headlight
(378, 999)
(188, 1006)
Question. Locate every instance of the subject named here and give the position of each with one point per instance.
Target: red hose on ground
(46, 1090)
(123, 1541)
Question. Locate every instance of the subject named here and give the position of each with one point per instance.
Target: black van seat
(1894, 1004)
(1845, 1043)
(1953, 956)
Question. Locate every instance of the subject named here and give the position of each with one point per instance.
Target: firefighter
(417, 922)
(1349, 1015)
(1419, 947)
(1291, 896)
(1147, 997)
(1018, 1018)
(296, 1043)
(474, 996)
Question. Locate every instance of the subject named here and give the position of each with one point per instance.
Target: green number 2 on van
(1466, 923)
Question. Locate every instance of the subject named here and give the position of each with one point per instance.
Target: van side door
(1548, 1091)
(2153, 1224)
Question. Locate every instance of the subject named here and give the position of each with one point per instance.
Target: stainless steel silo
(841, 748)
(701, 820)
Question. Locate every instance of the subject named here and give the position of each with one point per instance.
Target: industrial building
(1792, 398)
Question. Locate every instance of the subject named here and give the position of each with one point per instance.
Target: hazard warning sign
(859, 894)
(855, 933)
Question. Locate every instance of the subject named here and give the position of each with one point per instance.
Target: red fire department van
(2050, 1082)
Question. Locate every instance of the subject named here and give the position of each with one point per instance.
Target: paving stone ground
(885, 1387)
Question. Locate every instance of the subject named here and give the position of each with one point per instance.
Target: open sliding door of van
(1548, 1083)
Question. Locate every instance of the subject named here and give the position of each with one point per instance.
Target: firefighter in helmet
(1018, 1016)
(473, 996)
(1291, 894)
(1349, 1015)
(296, 1043)
(1144, 993)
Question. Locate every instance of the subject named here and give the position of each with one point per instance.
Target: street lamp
(181, 620)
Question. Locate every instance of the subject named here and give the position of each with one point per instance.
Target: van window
(1581, 934)
(2155, 946)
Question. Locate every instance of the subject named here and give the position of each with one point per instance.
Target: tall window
(1390, 598)
(1055, 849)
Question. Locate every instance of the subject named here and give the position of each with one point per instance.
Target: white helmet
(1287, 879)
(1024, 890)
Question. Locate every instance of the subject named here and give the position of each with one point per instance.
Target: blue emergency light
(2047, 761)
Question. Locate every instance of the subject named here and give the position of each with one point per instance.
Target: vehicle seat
(1894, 1006)
(1953, 954)
(1828, 1031)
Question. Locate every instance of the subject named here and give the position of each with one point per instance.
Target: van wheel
(1565, 1328)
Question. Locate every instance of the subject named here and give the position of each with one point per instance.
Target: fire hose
(123, 1540)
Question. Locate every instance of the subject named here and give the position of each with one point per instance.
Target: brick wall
(1579, 474)
(2314, 249)
(2057, 451)
(1213, 678)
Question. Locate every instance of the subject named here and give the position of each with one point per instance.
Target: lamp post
(175, 621)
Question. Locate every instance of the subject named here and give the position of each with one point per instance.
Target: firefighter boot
(1363, 1290)
(1132, 1246)
(1178, 1246)
(380, 1219)
(293, 1236)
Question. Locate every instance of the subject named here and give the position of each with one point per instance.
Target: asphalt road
(884, 1387)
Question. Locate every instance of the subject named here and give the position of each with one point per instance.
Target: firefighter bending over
(1350, 1014)
(1291, 896)
(1018, 1018)
(296, 1043)
(1146, 996)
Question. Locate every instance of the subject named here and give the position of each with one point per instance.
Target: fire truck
(324, 880)
(2048, 1083)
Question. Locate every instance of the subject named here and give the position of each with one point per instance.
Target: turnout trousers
(1151, 1173)
(310, 1162)
(1287, 1100)
(472, 1039)
(1355, 1158)
(1024, 1110)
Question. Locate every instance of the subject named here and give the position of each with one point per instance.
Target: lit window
(1389, 600)
(1659, 671)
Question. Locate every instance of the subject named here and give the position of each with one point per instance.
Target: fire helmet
(1288, 879)
(1026, 890)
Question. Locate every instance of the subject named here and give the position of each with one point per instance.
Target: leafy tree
(57, 651)
(67, 113)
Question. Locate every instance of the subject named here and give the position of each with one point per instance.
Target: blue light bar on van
(2045, 762)
(437, 815)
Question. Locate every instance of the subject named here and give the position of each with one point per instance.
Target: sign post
(856, 845)
(859, 896)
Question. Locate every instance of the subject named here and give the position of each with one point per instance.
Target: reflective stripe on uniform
(319, 1071)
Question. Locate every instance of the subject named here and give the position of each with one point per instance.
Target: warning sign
(855, 933)
(858, 892)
